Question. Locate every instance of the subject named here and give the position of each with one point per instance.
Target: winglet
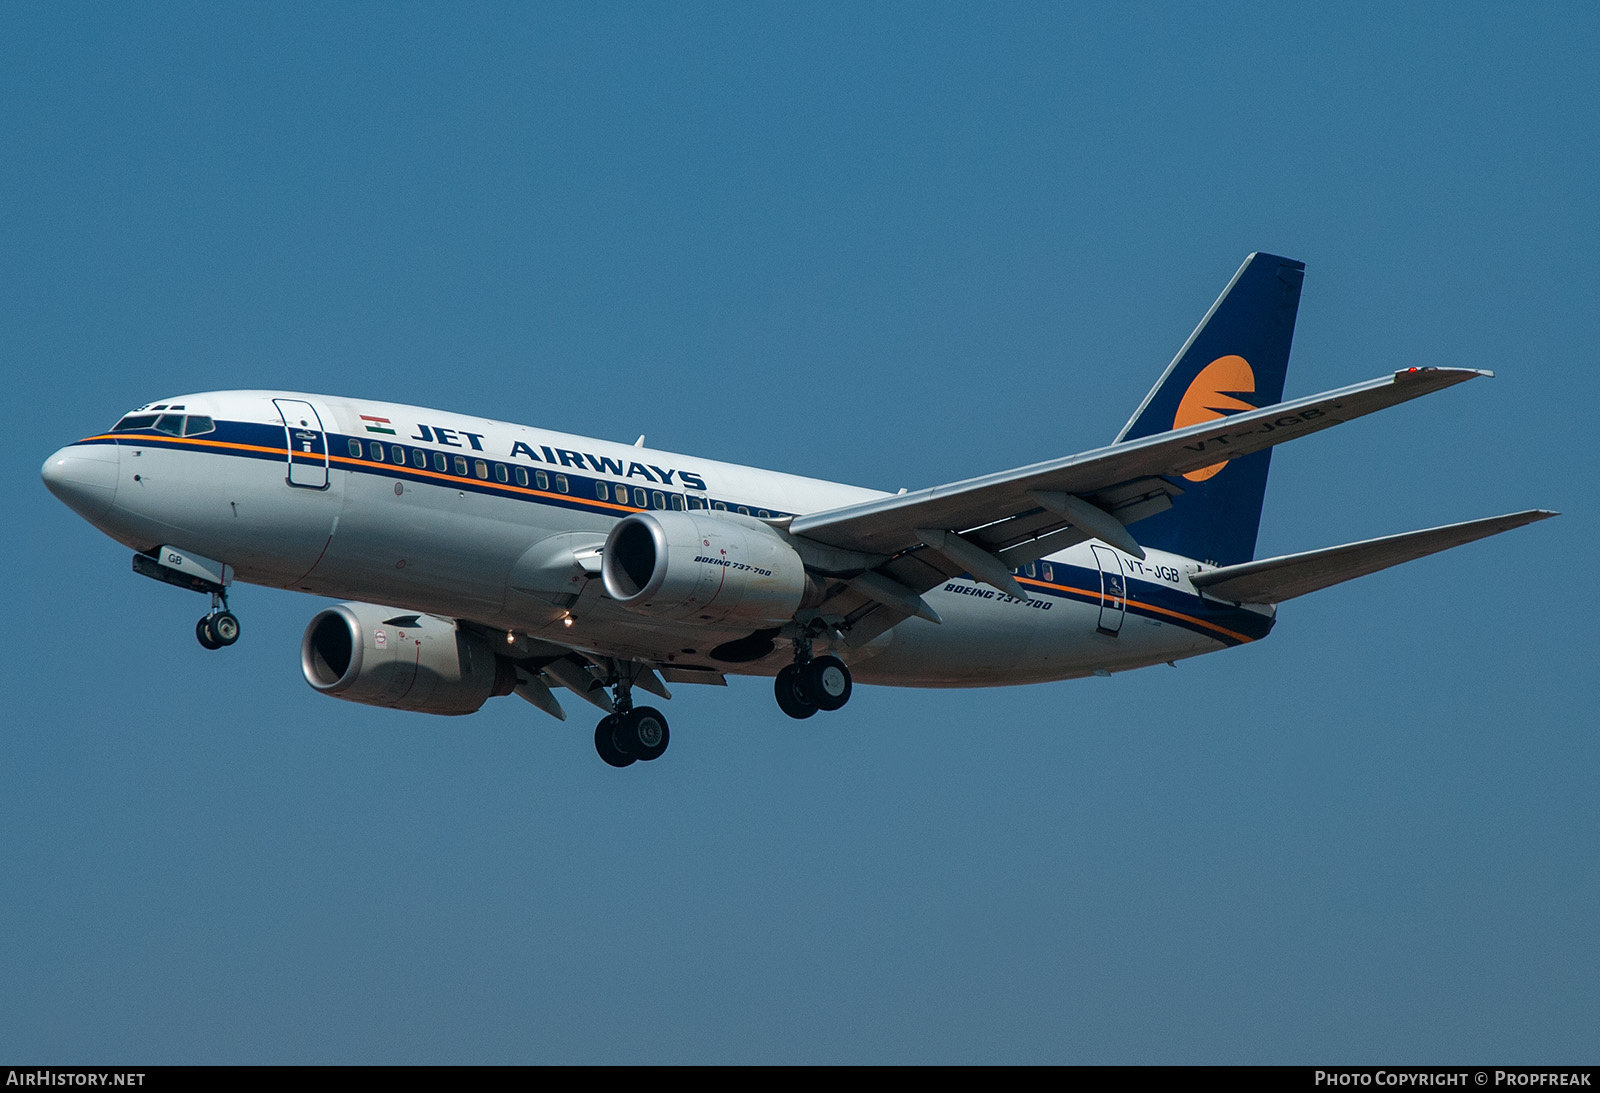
(1469, 373)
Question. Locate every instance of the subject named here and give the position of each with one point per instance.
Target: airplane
(480, 558)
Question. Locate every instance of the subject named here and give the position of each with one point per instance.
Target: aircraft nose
(84, 476)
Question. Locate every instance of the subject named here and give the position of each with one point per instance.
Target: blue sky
(895, 245)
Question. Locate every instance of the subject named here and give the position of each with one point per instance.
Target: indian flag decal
(377, 424)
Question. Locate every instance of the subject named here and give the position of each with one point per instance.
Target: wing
(888, 551)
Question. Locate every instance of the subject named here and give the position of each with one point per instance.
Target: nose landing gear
(219, 627)
(216, 631)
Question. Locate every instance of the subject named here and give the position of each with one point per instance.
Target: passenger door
(306, 443)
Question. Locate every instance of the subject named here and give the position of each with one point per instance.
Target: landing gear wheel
(203, 634)
(644, 730)
(790, 699)
(606, 742)
(225, 628)
(826, 682)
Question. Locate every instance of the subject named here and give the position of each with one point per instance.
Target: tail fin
(1235, 360)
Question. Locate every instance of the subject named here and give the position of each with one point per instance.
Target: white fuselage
(460, 515)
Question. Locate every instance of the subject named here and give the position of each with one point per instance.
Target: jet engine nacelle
(705, 568)
(385, 656)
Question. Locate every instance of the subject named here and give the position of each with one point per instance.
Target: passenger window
(1046, 571)
(440, 463)
(677, 501)
(561, 483)
(196, 424)
(522, 476)
(461, 465)
(480, 468)
(696, 502)
(355, 448)
(763, 513)
(377, 451)
(172, 424)
(601, 491)
(638, 497)
(541, 479)
(399, 454)
(658, 500)
(1031, 572)
(719, 506)
(500, 474)
(743, 511)
(419, 458)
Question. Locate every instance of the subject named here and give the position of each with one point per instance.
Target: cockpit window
(171, 424)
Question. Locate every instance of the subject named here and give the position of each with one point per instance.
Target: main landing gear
(632, 733)
(811, 684)
(219, 627)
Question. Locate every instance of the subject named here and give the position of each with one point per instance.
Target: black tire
(787, 689)
(203, 634)
(606, 743)
(225, 628)
(826, 682)
(645, 730)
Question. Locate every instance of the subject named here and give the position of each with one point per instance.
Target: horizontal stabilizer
(1273, 580)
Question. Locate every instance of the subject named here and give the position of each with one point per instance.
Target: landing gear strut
(811, 684)
(633, 733)
(219, 627)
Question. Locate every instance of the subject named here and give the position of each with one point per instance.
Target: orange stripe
(164, 439)
(351, 460)
(529, 492)
(1142, 606)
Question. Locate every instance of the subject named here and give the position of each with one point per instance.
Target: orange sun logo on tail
(1213, 394)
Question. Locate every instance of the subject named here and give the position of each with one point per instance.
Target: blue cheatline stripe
(1220, 622)
(1228, 624)
(253, 440)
